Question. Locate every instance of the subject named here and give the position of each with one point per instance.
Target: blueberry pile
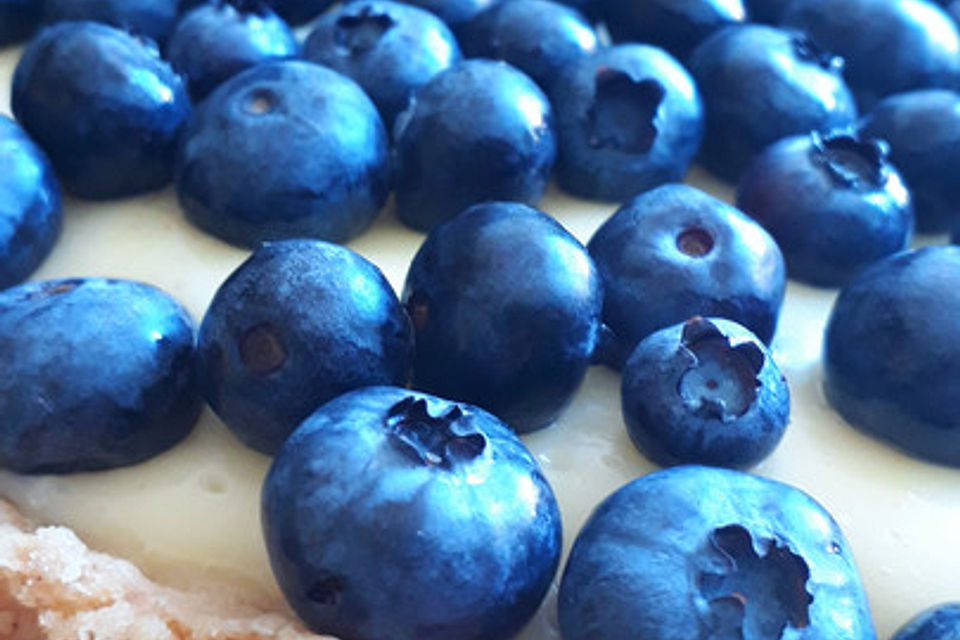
(402, 502)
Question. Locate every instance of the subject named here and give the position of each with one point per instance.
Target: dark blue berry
(706, 391)
(18, 19)
(891, 360)
(390, 514)
(152, 19)
(478, 131)
(629, 119)
(390, 49)
(701, 552)
(941, 622)
(833, 203)
(506, 308)
(30, 213)
(103, 105)
(97, 374)
(297, 324)
(284, 149)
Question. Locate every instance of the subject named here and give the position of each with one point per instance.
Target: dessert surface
(190, 518)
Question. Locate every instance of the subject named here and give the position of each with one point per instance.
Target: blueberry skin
(297, 324)
(479, 131)
(677, 252)
(390, 49)
(629, 119)
(284, 149)
(219, 39)
(919, 43)
(506, 311)
(98, 374)
(891, 364)
(702, 552)
(539, 37)
(390, 514)
(19, 19)
(456, 13)
(760, 84)
(675, 25)
(937, 623)
(154, 19)
(103, 105)
(30, 207)
(833, 203)
(923, 130)
(705, 391)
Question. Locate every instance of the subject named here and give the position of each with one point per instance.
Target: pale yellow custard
(191, 516)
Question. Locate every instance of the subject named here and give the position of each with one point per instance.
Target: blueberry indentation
(624, 111)
(807, 50)
(851, 161)
(261, 349)
(362, 31)
(53, 288)
(695, 242)
(260, 102)
(722, 382)
(753, 595)
(432, 441)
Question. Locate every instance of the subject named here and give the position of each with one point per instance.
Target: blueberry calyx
(850, 161)
(432, 441)
(53, 288)
(754, 595)
(261, 349)
(695, 242)
(260, 102)
(624, 111)
(722, 379)
(360, 32)
(804, 48)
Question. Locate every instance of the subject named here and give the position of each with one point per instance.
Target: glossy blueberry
(455, 13)
(18, 19)
(284, 149)
(629, 118)
(705, 391)
(221, 38)
(153, 19)
(675, 25)
(702, 552)
(30, 211)
(760, 84)
(923, 130)
(103, 105)
(833, 203)
(506, 309)
(889, 46)
(677, 252)
(941, 622)
(297, 324)
(97, 374)
(479, 131)
(390, 49)
(390, 514)
(891, 363)
(539, 37)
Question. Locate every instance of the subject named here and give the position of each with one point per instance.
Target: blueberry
(832, 202)
(18, 19)
(103, 105)
(760, 84)
(97, 374)
(390, 514)
(284, 149)
(30, 211)
(675, 25)
(941, 622)
(297, 324)
(923, 129)
(705, 391)
(506, 308)
(390, 49)
(455, 13)
(891, 363)
(629, 118)
(889, 46)
(676, 252)
(539, 37)
(478, 131)
(152, 19)
(221, 38)
(701, 552)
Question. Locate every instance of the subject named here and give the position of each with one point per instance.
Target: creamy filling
(191, 516)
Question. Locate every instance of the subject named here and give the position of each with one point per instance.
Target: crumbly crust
(52, 587)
